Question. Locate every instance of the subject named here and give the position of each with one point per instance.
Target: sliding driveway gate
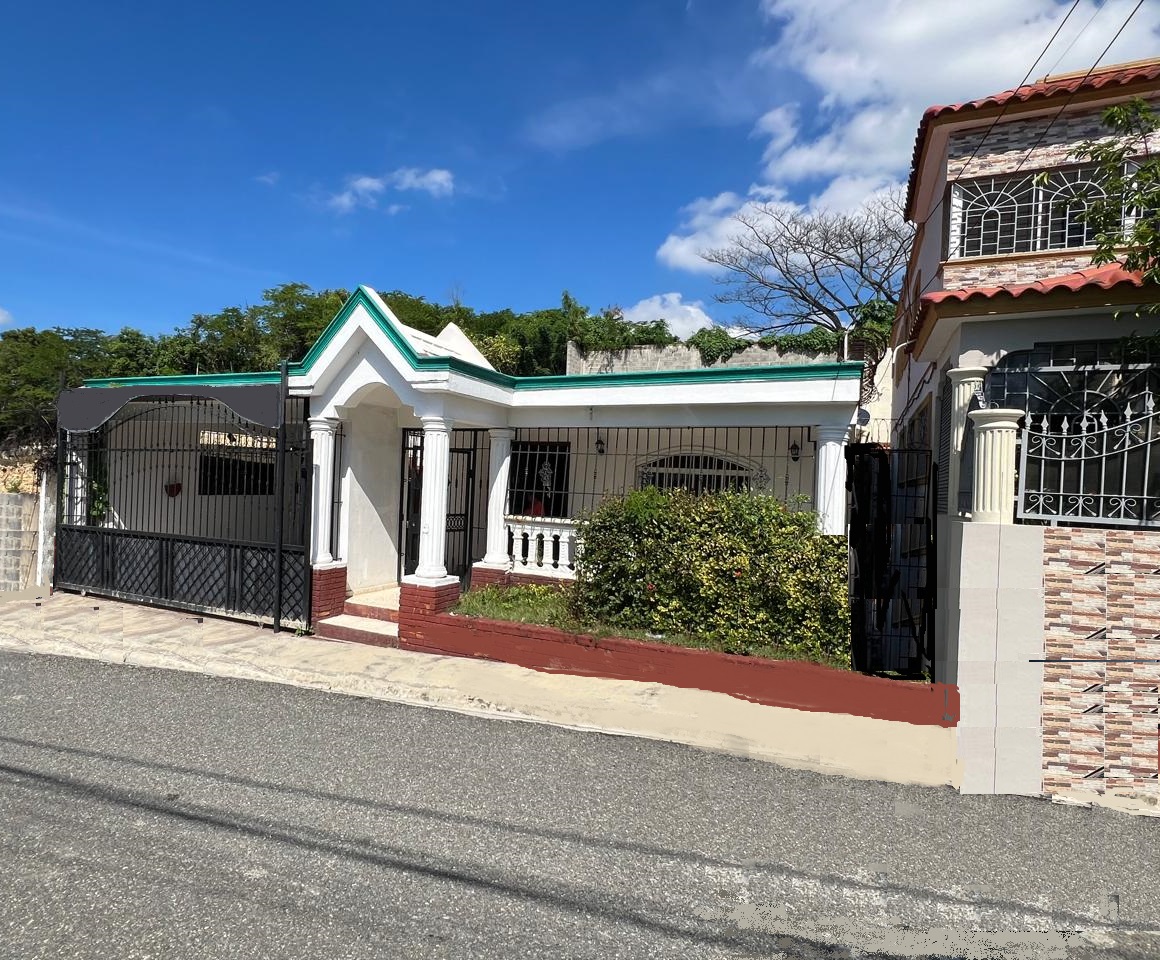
(194, 502)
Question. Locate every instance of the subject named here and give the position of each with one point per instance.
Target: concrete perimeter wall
(18, 525)
(679, 357)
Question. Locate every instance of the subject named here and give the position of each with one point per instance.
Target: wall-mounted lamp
(599, 445)
(794, 451)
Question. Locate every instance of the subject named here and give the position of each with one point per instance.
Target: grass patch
(552, 607)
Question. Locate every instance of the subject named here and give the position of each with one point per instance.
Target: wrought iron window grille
(1022, 213)
(1090, 438)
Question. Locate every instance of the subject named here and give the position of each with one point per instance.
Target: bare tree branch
(794, 269)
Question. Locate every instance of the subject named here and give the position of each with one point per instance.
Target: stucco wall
(371, 488)
(991, 631)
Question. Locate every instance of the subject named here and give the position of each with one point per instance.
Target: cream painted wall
(371, 511)
(993, 615)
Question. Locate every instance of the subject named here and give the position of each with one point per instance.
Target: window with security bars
(538, 479)
(1090, 437)
(696, 473)
(225, 476)
(1022, 213)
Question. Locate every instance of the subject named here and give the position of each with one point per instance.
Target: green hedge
(739, 569)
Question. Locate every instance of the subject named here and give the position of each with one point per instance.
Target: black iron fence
(181, 501)
(565, 473)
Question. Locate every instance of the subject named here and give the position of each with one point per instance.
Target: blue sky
(160, 160)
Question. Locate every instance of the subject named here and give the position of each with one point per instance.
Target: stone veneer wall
(1101, 687)
(1012, 268)
(1019, 144)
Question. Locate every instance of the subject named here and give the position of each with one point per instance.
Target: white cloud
(5, 317)
(396, 208)
(684, 319)
(438, 183)
(873, 68)
(365, 192)
(269, 179)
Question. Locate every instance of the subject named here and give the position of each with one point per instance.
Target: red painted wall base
(777, 683)
(489, 577)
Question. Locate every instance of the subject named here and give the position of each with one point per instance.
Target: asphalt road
(167, 815)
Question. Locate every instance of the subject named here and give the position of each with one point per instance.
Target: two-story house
(1011, 369)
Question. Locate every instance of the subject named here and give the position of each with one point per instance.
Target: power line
(1039, 140)
(1006, 105)
(1095, 13)
(1078, 87)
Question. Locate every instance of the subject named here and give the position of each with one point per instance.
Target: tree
(1126, 213)
(796, 268)
(291, 318)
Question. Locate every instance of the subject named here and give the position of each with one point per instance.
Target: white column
(322, 433)
(965, 381)
(993, 496)
(433, 515)
(41, 525)
(500, 464)
(830, 478)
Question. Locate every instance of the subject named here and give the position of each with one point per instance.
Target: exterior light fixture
(794, 451)
(599, 445)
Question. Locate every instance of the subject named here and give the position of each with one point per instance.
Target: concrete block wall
(18, 526)
(679, 357)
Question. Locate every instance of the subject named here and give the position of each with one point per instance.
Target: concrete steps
(356, 629)
(380, 605)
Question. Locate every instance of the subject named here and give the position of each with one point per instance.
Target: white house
(425, 468)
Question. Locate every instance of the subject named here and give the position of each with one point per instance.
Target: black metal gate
(466, 500)
(182, 502)
(892, 559)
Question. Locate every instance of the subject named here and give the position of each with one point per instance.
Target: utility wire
(1039, 140)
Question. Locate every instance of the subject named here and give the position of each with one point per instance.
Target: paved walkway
(96, 628)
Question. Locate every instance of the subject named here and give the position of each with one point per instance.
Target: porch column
(830, 478)
(322, 433)
(993, 496)
(499, 467)
(965, 382)
(433, 517)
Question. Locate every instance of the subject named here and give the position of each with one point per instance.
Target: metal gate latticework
(182, 502)
(892, 556)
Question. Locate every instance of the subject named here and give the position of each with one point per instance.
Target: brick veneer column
(418, 600)
(327, 592)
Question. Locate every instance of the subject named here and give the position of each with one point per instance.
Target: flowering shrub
(738, 569)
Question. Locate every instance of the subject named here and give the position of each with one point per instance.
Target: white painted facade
(368, 374)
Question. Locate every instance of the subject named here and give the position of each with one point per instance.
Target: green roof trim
(189, 380)
(838, 370)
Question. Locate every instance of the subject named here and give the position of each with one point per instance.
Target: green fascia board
(189, 380)
(842, 370)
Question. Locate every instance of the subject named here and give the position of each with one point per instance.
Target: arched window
(1067, 198)
(697, 473)
(998, 216)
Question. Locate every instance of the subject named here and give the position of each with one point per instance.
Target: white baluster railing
(543, 546)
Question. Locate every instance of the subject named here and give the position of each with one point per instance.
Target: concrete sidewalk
(122, 633)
